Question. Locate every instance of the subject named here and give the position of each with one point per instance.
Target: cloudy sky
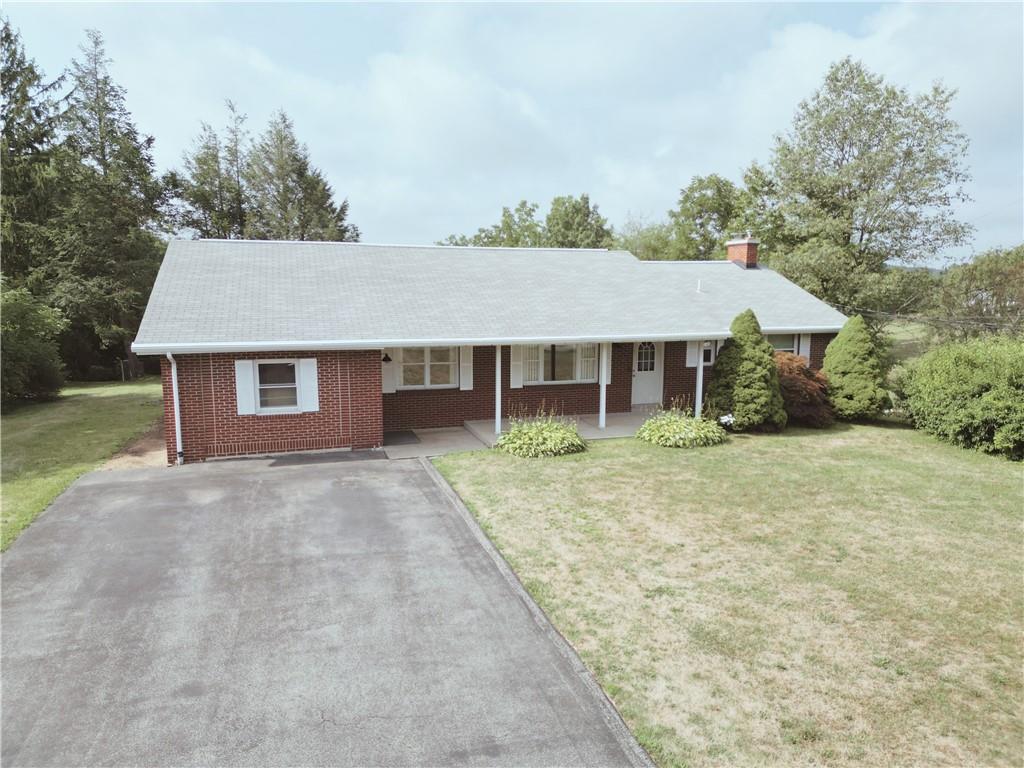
(431, 117)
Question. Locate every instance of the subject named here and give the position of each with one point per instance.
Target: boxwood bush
(674, 428)
(542, 435)
(971, 394)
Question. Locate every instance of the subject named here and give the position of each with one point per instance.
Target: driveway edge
(630, 746)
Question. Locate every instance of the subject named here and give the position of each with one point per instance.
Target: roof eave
(185, 348)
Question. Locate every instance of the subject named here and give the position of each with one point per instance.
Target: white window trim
(577, 364)
(712, 346)
(793, 337)
(455, 364)
(270, 411)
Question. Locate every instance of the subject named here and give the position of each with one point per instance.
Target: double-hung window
(429, 367)
(782, 342)
(277, 388)
(559, 363)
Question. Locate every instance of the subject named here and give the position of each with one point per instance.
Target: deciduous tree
(701, 219)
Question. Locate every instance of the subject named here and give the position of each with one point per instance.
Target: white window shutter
(245, 387)
(804, 347)
(389, 372)
(466, 367)
(515, 370)
(309, 386)
(693, 353)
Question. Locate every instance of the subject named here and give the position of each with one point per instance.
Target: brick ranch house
(288, 346)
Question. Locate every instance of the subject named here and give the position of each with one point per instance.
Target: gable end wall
(349, 417)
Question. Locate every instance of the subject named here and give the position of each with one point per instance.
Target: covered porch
(588, 424)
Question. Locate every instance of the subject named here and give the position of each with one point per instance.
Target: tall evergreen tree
(290, 199)
(30, 116)
(212, 185)
(105, 251)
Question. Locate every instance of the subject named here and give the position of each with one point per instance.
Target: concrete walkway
(436, 442)
(302, 610)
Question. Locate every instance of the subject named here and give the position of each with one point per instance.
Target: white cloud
(430, 118)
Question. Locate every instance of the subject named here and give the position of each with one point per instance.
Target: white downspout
(697, 406)
(177, 411)
(602, 376)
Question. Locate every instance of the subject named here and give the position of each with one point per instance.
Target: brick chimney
(742, 251)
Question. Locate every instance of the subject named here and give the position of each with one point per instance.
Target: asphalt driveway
(282, 612)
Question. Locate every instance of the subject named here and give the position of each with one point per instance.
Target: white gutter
(180, 459)
(201, 347)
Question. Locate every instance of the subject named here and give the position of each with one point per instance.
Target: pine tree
(745, 380)
(30, 116)
(105, 253)
(290, 199)
(854, 373)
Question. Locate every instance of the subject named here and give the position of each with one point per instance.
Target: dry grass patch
(842, 597)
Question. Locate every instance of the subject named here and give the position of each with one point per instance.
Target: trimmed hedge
(804, 392)
(675, 429)
(541, 436)
(971, 394)
(855, 382)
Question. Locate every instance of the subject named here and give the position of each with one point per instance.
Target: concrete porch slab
(436, 442)
(616, 425)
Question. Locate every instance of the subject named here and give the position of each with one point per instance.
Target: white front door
(648, 372)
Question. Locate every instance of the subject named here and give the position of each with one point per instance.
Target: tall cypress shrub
(745, 380)
(854, 373)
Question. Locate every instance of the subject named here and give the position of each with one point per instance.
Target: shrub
(971, 394)
(804, 392)
(542, 435)
(745, 381)
(675, 429)
(855, 385)
(30, 365)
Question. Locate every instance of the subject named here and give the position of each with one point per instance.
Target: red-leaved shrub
(804, 392)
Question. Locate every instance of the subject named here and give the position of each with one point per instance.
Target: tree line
(85, 214)
(858, 192)
(856, 196)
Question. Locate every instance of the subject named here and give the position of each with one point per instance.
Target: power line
(928, 320)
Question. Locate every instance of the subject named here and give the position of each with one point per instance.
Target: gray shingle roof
(233, 295)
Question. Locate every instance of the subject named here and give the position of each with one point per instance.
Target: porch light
(386, 358)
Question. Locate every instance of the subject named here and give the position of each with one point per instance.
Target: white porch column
(497, 389)
(699, 400)
(602, 377)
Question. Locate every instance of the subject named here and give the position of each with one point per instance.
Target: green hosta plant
(675, 429)
(542, 435)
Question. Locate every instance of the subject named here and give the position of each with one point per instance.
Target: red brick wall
(819, 341)
(425, 408)
(681, 382)
(350, 413)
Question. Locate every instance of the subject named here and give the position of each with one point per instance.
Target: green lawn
(47, 445)
(847, 597)
(909, 339)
